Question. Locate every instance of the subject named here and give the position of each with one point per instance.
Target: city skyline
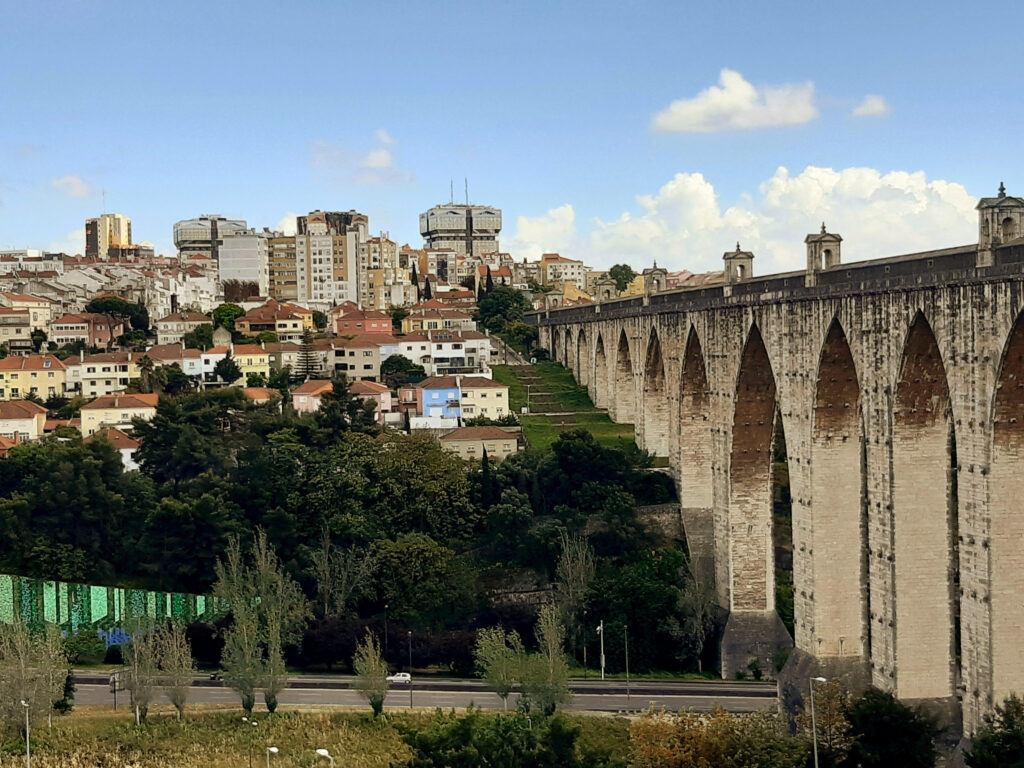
(698, 132)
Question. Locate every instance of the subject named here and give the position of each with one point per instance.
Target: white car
(402, 678)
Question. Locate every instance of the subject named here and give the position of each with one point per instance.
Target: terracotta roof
(164, 352)
(110, 357)
(364, 340)
(249, 349)
(122, 401)
(20, 409)
(117, 438)
(31, 363)
(52, 424)
(281, 346)
(479, 433)
(26, 297)
(260, 394)
(13, 311)
(314, 387)
(367, 388)
(479, 382)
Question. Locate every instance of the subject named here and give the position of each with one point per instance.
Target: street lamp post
(28, 736)
(270, 751)
(625, 641)
(528, 397)
(584, 645)
(600, 631)
(409, 634)
(814, 723)
(325, 753)
(252, 738)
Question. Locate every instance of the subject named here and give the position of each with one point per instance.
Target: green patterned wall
(78, 607)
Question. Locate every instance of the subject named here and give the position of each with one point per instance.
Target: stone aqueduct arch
(904, 419)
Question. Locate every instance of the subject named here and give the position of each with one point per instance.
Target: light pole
(814, 723)
(528, 397)
(584, 645)
(270, 751)
(325, 753)
(409, 635)
(252, 738)
(28, 742)
(625, 641)
(600, 631)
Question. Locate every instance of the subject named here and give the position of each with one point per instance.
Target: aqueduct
(899, 383)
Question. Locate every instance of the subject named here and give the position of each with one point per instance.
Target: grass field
(215, 738)
(563, 395)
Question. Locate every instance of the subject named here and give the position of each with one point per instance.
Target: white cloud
(684, 225)
(73, 185)
(378, 158)
(872, 106)
(376, 166)
(734, 104)
(287, 224)
(72, 244)
(553, 232)
(383, 136)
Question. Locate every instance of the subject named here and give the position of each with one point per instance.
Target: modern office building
(203, 236)
(244, 258)
(469, 230)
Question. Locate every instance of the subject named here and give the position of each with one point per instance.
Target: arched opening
(655, 400)
(752, 577)
(566, 356)
(694, 461)
(600, 375)
(1006, 490)
(624, 391)
(1009, 229)
(556, 343)
(926, 570)
(826, 257)
(837, 506)
(740, 271)
(582, 359)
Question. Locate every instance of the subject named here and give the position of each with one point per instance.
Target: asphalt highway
(430, 693)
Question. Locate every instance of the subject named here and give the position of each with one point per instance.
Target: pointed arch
(567, 346)
(601, 374)
(1006, 489)
(752, 576)
(583, 361)
(655, 400)
(837, 505)
(623, 392)
(556, 343)
(924, 521)
(696, 490)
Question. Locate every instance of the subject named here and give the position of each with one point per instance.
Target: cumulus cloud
(735, 104)
(72, 244)
(686, 226)
(553, 232)
(373, 166)
(73, 186)
(872, 106)
(287, 224)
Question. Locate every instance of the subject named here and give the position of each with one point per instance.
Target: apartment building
(448, 352)
(117, 412)
(424, 319)
(557, 269)
(204, 235)
(469, 230)
(250, 358)
(16, 330)
(288, 321)
(40, 309)
(188, 360)
(471, 443)
(347, 318)
(244, 259)
(90, 329)
(359, 357)
(107, 231)
(42, 375)
(105, 373)
(173, 328)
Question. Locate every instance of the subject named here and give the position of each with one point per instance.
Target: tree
(398, 314)
(200, 338)
(397, 370)
(833, 729)
(415, 281)
(267, 337)
(255, 379)
(427, 293)
(242, 659)
(142, 662)
(38, 337)
(887, 732)
(699, 609)
(225, 315)
(502, 307)
(545, 678)
(499, 660)
(280, 379)
(575, 572)
(227, 370)
(33, 669)
(176, 664)
(116, 310)
(340, 411)
(319, 319)
(338, 575)
(623, 275)
(999, 743)
(489, 284)
(371, 673)
(306, 364)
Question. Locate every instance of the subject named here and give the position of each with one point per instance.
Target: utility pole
(600, 631)
(625, 640)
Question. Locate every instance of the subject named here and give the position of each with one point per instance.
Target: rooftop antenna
(451, 196)
(104, 200)
(467, 189)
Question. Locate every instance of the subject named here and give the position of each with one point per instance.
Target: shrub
(114, 655)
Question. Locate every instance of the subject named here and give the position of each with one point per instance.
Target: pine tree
(415, 282)
(489, 285)
(427, 294)
(306, 365)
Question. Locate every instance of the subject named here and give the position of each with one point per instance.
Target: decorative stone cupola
(823, 253)
(1000, 220)
(739, 265)
(655, 279)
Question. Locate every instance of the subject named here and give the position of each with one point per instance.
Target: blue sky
(261, 109)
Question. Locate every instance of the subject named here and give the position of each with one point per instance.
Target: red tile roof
(117, 438)
(479, 433)
(31, 363)
(367, 388)
(314, 387)
(20, 409)
(122, 401)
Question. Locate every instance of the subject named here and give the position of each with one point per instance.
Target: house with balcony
(22, 420)
(42, 375)
(116, 411)
(448, 352)
(173, 328)
(105, 373)
(471, 443)
(91, 329)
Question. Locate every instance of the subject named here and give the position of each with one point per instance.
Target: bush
(85, 648)
(1000, 742)
(113, 655)
(887, 732)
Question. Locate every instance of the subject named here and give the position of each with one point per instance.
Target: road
(587, 696)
